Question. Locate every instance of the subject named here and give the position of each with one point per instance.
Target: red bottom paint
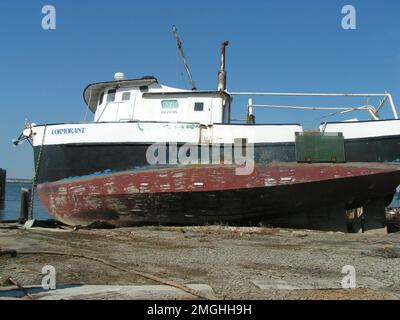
(206, 194)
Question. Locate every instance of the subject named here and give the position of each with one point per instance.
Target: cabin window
(198, 106)
(111, 95)
(126, 96)
(101, 98)
(169, 104)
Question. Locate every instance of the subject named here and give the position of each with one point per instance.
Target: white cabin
(146, 100)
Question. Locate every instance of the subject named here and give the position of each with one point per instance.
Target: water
(9, 210)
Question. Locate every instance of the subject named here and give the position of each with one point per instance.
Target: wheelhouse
(146, 100)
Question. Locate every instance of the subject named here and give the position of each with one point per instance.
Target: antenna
(182, 54)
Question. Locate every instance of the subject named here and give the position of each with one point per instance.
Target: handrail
(105, 107)
(370, 109)
(303, 94)
(374, 113)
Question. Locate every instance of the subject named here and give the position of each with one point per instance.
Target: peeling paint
(204, 192)
(286, 179)
(269, 182)
(198, 184)
(131, 189)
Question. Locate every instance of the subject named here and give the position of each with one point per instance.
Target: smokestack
(222, 73)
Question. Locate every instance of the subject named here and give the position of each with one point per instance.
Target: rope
(37, 167)
(135, 272)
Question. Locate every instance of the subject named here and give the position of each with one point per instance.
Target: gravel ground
(238, 263)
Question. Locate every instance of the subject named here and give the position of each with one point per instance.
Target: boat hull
(62, 161)
(203, 194)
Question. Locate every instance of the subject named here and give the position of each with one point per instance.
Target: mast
(182, 54)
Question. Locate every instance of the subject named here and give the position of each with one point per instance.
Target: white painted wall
(151, 132)
(139, 108)
(354, 130)
(156, 132)
(255, 133)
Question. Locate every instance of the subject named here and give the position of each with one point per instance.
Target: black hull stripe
(75, 160)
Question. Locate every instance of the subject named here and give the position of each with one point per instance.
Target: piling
(24, 206)
(375, 217)
(3, 175)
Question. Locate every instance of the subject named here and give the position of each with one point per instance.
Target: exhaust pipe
(222, 73)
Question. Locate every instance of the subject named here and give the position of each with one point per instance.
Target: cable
(138, 273)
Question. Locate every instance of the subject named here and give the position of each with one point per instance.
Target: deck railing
(374, 112)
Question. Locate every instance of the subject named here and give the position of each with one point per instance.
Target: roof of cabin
(92, 91)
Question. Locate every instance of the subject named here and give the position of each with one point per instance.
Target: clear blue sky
(276, 46)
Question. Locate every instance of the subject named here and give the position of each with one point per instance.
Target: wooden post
(24, 208)
(3, 175)
(1, 185)
(375, 217)
(354, 220)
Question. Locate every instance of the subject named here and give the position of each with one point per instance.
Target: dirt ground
(238, 263)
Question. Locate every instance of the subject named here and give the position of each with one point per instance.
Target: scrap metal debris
(12, 253)
(388, 252)
(15, 283)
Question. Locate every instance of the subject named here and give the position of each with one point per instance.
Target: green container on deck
(320, 147)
